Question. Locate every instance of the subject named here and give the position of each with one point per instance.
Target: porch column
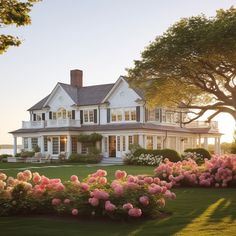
(206, 142)
(141, 141)
(154, 142)
(41, 144)
(15, 146)
(49, 143)
(219, 148)
(68, 148)
(216, 145)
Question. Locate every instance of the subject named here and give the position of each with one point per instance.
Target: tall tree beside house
(13, 12)
(192, 65)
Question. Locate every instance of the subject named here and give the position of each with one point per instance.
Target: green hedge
(85, 158)
(201, 151)
(172, 155)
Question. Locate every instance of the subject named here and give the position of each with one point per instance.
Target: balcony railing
(50, 123)
(202, 124)
(33, 124)
(63, 123)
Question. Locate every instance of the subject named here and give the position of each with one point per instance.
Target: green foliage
(172, 155)
(233, 148)
(25, 154)
(91, 138)
(94, 156)
(36, 148)
(201, 151)
(14, 12)
(191, 64)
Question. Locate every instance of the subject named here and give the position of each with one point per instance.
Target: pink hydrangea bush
(126, 196)
(219, 171)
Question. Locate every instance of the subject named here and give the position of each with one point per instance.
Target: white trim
(121, 78)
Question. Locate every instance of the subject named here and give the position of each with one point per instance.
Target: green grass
(196, 211)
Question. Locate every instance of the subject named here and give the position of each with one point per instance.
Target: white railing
(63, 123)
(33, 124)
(50, 123)
(202, 124)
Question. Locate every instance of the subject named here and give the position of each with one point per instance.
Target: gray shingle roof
(115, 127)
(89, 95)
(39, 105)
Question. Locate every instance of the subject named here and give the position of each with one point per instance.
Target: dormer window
(62, 114)
(88, 116)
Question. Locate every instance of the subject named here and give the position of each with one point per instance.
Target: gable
(123, 95)
(59, 98)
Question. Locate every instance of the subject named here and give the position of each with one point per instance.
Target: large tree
(192, 65)
(13, 12)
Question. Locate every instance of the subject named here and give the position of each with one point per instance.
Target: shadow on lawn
(193, 210)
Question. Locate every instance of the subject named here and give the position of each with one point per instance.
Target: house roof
(89, 95)
(117, 127)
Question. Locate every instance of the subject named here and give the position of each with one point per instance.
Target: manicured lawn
(196, 211)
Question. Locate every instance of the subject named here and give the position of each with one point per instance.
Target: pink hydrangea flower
(144, 200)
(74, 212)
(135, 212)
(119, 174)
(56, 201)
(93, 201)
(127, 206)
(66, 201)
(74, 178)
(109, 206)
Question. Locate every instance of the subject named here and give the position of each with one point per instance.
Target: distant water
(8, 151)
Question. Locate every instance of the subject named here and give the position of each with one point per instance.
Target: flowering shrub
(126, 196)
(143, 159)
(219, 171)
(197, 157)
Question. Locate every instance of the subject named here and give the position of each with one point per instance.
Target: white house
(115, 111)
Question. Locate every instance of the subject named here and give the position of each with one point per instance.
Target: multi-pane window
(26, 143)
(130, 139)
(91, 117)
(136, 139)
(154, 114)
(124, 143)
(74, 144)
(62, 144)
(54, 115)
(69, 114)
(84, 148)
(159, 142)
(34, 142)
(149, 143)
(105, 144)
(63, 114)
(128, 114)
(88, 116)
(118, 143)
(133, 115)
(55, 145)
(45, 143)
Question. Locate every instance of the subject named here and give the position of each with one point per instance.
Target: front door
(112, 146)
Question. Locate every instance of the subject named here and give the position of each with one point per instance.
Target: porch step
(112, 161)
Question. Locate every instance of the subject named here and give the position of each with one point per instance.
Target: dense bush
(219, 171)
(194, 156)
(124, 197)
(3, 157)
(143, 159)
(25, 154)
(172, 155)
(200, 151)
(85, 158)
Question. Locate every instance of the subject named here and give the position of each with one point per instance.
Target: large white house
(115, 111)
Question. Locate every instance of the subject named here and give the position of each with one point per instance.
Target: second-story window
(127, 114)
(88, 116)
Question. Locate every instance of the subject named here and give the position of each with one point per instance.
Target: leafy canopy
(192, 65)
(13, 12)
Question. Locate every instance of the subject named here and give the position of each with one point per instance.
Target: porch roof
(119, 127)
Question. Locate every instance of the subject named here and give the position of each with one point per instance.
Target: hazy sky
(101, 37)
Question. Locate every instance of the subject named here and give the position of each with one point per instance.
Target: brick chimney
(76, 78)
